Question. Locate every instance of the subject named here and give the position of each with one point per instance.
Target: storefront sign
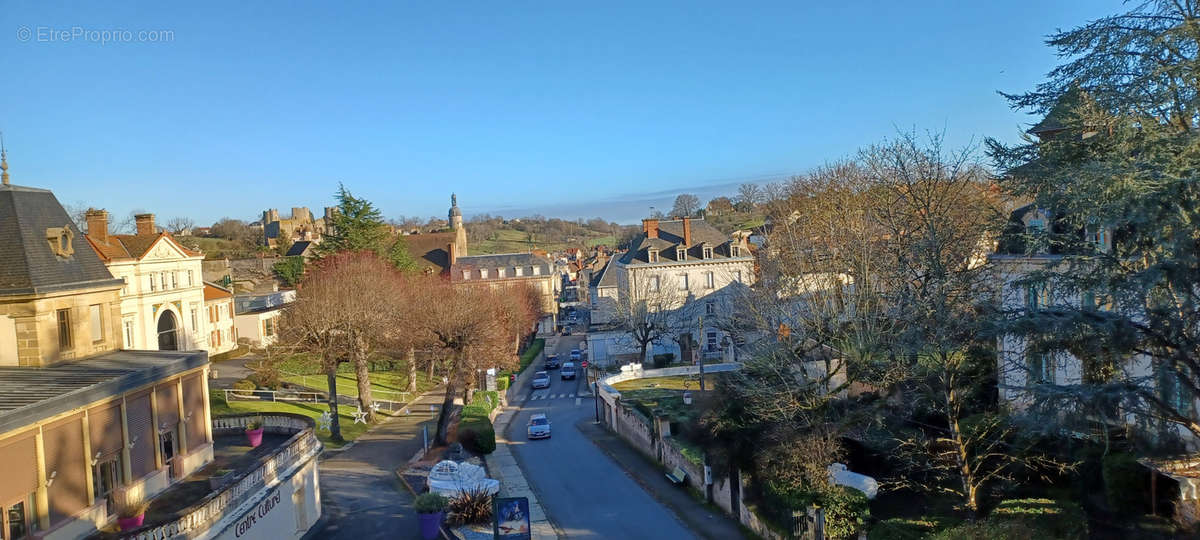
(257, 513)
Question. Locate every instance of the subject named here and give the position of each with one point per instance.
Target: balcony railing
(302, 446)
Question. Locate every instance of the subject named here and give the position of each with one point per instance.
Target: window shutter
(168, 405)
(141, 435)
(104, 427)
(193, 404)
(20, 467)
(64, 459)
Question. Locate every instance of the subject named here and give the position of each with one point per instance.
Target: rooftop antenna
(3, 161)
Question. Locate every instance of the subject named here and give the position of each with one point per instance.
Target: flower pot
(431, 524)
(131, 523)
(254, 436)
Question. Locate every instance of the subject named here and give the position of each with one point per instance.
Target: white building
(162, 302)
(218, 307)
(602, 293)
(256, 316)
(687, 267)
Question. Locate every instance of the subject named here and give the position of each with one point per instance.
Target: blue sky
(573, 109)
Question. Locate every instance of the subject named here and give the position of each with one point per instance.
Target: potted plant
(131, 515)
(254, 431)
(431, 509)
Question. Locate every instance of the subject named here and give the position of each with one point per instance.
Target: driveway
(583, 491)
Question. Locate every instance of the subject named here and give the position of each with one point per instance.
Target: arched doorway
(166, 332)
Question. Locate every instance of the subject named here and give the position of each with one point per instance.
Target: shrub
(245, 385)
(1126, 483)
(477, 436)
(663, 360)
(531, 352)
(846, 510)
(1025, 518)
(430, 503)
(471, 506)
(902, 529)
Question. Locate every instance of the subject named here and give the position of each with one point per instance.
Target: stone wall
(248, 275)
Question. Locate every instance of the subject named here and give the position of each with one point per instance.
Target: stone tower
(456, 225)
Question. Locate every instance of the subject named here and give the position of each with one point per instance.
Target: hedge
(1126, 483)
(1025, 518)
(475, 429)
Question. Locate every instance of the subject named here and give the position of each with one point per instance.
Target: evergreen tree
(357, 226)
(1116, 164)
(399, 256)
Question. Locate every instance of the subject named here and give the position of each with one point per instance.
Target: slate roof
(502, 260)
(606, 277)
(298, 248)
(429, 250)
(133, 246)
(30, 394)
(27, 263)
(670, 236)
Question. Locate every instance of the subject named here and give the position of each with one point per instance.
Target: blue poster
(511, 518)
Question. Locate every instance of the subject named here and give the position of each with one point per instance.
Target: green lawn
(350, 430)
(304, 370)
(514, 241)
(667, 383)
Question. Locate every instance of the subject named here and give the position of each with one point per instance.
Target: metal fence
(293, 396)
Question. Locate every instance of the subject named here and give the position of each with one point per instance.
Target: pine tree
(357, 226)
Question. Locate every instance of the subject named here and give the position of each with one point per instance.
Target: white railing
(301, 447)
(272, 395)
(320, 381)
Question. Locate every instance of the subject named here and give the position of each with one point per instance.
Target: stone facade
(300, 226)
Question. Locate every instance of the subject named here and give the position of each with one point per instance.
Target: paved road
(584, 493)
(361, 497)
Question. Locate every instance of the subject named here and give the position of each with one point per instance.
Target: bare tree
(340, 313)
(468, 324)
(686, 205)
(178, 224)
(750, 194)
(646, 310)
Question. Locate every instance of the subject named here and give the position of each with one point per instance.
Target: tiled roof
(214, 292)
(429, 249)
(670, 236)
(27, 262)
(133, 246)
(30, 394)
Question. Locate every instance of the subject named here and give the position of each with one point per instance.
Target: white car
(539, 427)
(541, 379)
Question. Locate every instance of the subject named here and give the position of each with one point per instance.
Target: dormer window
(60, 241)
(681, 254)
(537, 270)
(517, 271)
(652, 255)
(466, 274)
(483, 273)
(706, 252)
(735, 250)
(1097, 235)
(499, 272)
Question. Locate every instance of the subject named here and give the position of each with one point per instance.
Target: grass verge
(350, 430)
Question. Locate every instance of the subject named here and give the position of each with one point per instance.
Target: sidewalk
(360, 494)
(704, 521)
(502, 465)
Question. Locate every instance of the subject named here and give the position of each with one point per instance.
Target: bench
(677, 476)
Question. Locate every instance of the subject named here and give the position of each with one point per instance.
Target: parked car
(576, 355)
(552, 361)
(567, 371)
(541, 379)
(539, 427)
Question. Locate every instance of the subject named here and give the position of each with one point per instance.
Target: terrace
(237, 474)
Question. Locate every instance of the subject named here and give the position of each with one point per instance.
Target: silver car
(541, 379)
(539, 427)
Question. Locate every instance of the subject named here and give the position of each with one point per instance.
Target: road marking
(578, 400)
(570, 395)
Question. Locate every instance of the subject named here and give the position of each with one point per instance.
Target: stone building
(300, 226)
(162, 299)
(218, 307)
(82, 423)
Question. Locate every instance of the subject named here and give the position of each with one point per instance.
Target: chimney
(97, 224)
(145, 224)
(450, 251)
(687, 232)
(650, 227)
